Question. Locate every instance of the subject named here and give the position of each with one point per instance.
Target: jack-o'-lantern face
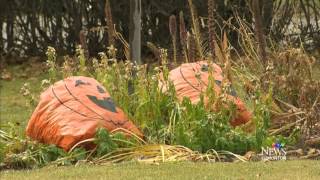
(103, 102)
(96, 103)
(242, 114)
(87, 90)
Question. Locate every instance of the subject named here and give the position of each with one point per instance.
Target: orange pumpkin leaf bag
(72, 109)
(192, 79)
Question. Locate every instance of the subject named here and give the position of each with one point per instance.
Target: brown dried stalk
(183, 35)
(108, 14)
(196, 28)
(154, 50)
(192, 49)
(211, 26)
(173, 33)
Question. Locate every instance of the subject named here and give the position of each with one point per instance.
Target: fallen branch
(313, 141)
(286, 127)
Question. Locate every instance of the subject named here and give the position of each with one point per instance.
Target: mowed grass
(179, 170)
(15, 109)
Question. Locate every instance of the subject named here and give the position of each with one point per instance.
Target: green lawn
(15, 109)
(182, 170)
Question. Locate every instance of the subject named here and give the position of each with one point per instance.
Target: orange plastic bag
(191, 79)
(72, 109)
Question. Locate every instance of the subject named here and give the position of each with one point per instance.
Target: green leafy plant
(104, 142)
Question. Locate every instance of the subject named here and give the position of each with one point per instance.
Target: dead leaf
(249, 155)
(6, 75)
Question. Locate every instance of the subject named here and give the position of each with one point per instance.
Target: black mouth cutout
(105, 103)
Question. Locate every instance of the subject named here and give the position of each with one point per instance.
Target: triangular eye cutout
(218, 83)
(233, 92)
(105, 103)
(204, 68)
(101, 90)
(80, 82)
